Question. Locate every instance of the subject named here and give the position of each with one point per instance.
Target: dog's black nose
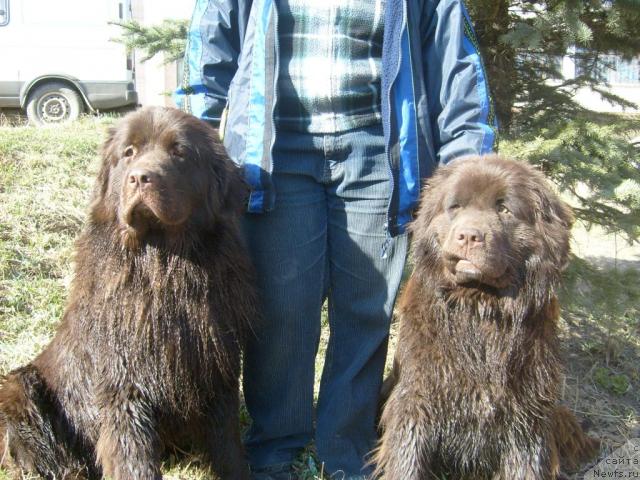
(469, 236)
(140, 177)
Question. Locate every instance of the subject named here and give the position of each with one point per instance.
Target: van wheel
(53, 103)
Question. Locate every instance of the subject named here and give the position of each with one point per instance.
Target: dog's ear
(553, 220)
(236, 194)
(99, 209)
(431, 198)
(227, 190)
(108, 149)
(425, 242)
(552, 209)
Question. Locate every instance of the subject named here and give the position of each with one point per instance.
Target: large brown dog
(477, 369)
(148, 352)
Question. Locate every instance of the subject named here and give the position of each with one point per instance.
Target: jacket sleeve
(460, 105)
(211, 59)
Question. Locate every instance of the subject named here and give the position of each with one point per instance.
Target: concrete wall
(154, 79)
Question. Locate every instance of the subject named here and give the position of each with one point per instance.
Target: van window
(70, 13)
(4, 12)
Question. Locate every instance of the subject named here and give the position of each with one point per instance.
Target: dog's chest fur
(478, 364)
(152, 319)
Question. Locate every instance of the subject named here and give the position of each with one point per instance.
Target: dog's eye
(501, 207)
(453, 206)
(130, 151)
(175, 150)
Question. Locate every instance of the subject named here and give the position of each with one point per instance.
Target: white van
(57, 58)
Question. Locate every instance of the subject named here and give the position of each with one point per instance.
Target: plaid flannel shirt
(330, 60)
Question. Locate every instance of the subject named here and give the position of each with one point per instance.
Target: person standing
(336, 109)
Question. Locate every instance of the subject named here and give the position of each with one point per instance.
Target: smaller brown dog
(147, 356)
(474, 392)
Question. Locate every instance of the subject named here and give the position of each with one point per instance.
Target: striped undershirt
(330, 58)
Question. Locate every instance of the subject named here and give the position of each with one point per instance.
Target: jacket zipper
(276, 74)
(387, 243)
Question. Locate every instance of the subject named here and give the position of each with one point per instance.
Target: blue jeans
(323, 240)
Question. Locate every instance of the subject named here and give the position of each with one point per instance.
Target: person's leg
(288, 247)
(363, 287)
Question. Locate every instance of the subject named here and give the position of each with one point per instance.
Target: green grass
(46, 177)
(45, 183)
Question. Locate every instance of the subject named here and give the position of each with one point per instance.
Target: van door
(4, 12)
(66, 39)
(10, 81)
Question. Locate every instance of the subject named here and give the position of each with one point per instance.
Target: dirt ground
(591, 350)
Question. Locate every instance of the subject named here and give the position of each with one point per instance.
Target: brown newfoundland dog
(474, 392)
(147, 356)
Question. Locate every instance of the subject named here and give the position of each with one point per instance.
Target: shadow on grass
(601, 343)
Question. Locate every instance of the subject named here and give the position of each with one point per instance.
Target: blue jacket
(435, 97)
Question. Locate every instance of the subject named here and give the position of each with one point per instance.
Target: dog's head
(489, 221)
(163, 170)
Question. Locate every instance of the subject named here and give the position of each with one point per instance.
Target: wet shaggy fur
(147, 356)
(475, 387)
